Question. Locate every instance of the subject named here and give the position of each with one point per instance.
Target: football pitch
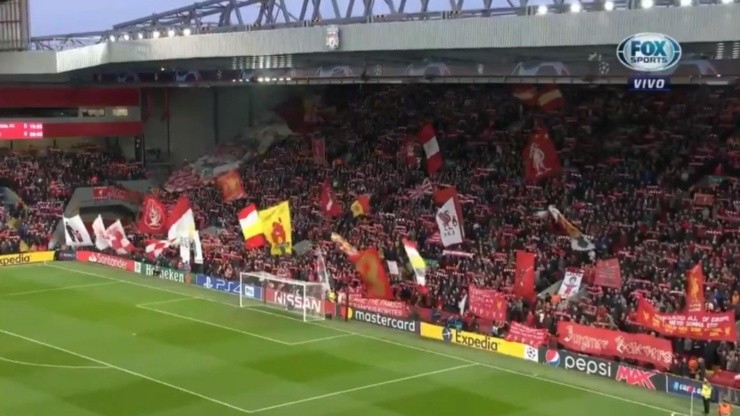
(81, 340)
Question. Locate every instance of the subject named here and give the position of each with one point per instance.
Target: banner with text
(106, 260)
(381, 306)
(705, 326)
(609, 343)
(487, 304)
(527, 335)
(112, 193)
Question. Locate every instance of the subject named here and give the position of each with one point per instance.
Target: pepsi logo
(552, 357)
(447, 334)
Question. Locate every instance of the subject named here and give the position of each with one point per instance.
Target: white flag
(75, 233)
(570, 285)
(463, 304)
(450, 231)
(101, 239)
(182, 226)
(116, 237)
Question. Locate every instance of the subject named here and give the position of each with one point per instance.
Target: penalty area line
(366, 387)
(124, 370)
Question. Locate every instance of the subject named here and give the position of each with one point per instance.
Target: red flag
(361, 206)
(373, 274)
(541, 160)
(526, 335)
(524, 279)
(608, 273)
(695, 289)
(329, 207)
(428, 139)
(487, 303)
(231, 186)
(409, 153)
(152, 216)
(318, 148)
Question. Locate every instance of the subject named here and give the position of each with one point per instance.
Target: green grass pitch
(83, 340)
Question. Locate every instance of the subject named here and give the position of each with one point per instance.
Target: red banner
(231, 186)
(106, 260)
(608, 273)
(607, 343)
(318, 148)
(540, 158)
(108, 193)
(524, 278)
(526, 335)
(487, 304)
(381, 306)
(152, 216)
(704, 326)
(695, 289)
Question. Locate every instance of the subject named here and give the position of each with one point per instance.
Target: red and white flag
(448, 222)
(428, 139)
(154, 248)
(251, 225)
(101, 240)
(181, 225)
(152, 216)
(541, 160)
(329, 206)
(116, 238)
(570, 284)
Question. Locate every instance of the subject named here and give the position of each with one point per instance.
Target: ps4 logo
(649, 52)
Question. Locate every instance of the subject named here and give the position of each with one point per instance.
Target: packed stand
(45, 181)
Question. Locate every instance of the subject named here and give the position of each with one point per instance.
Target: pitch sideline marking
(390, 342)
(369, 386)
(58, 366)
(124, 370)
(56, 289)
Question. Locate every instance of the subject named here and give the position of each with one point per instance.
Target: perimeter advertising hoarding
(26, 258)
(107, 260)
(228, 286)
(473, 340)
(385, 321)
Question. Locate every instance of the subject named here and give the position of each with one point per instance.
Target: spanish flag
(361, 206)
(277, 228)
(251, 225)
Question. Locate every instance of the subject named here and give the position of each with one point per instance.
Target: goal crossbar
(306, 299)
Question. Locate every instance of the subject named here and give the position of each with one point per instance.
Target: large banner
(487, 304)
(106, 260)
(386, 321)
(381, 306)
(608, 343)
(705, 326)
(608, 273)
(526, 335)
(112, 193)
(26, 258)
(228, 286)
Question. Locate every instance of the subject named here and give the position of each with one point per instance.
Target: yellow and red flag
(251, 225)
(361, 206)
(277, 228)
(372, 273)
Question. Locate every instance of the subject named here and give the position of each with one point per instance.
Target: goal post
(306, 299)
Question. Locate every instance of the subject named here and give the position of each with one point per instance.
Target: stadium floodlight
(306, 299)
(685, 3)
(186, 31)
(647, 4)
(126, 36)
(260, 79)
(111, 38)
(609, 6)
(541, 9)
(288, 79)
(155, 34)
(576, 7)
(171, 33)
(726, 1)
(139, 36)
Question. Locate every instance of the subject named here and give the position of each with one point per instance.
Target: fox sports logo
(649, 52)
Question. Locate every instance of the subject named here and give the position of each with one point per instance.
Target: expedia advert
(26, 258)
(383, 320)
(472, 340)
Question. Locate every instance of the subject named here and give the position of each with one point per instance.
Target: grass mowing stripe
(369, 386)
(391, 342)
(57, 289)
(123, 370)
(61, 366)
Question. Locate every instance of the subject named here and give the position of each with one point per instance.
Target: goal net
(306, 299)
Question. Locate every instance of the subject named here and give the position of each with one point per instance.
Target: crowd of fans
(652, 180)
